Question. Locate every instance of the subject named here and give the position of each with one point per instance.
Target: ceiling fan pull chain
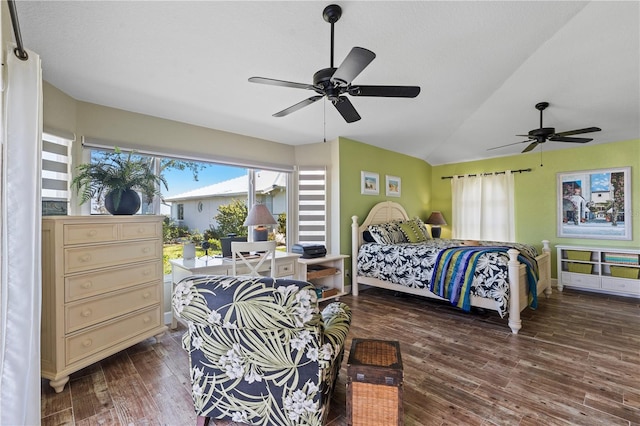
(324, 118)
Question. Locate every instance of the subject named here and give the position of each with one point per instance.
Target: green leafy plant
(116, 173)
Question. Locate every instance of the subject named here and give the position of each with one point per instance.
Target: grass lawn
(174, 251)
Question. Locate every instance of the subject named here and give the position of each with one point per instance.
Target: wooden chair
(252, 255)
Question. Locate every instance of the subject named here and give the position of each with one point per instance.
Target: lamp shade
(436, 218)
(259, 215)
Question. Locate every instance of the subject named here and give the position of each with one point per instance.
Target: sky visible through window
(180, 181)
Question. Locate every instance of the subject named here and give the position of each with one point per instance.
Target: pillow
(422, 227)
(367, 237)
(387, 233)
(412, 231)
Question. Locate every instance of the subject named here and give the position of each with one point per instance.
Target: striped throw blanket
(455, 268)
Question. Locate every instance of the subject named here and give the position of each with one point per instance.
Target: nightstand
(326, 273)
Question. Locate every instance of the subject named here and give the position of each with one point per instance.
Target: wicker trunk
(374, 383)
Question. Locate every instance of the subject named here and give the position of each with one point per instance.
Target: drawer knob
(85, 258)
(146, 295)
(146, 320)
(87, 285)
(86, 313)
(92, 233)
(87, 343)
(146, 250)
(146, 272)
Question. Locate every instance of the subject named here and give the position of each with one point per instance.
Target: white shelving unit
(600, 269)
(326, 273)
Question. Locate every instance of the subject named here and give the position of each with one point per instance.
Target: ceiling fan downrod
(332, 14)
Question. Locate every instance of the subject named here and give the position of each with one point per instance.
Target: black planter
(129, 203)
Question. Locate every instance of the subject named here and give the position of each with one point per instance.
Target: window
(483, 207)
(312, 205)
(56, 162)
(180, 212)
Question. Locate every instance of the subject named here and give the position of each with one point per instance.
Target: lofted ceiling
(482, 67)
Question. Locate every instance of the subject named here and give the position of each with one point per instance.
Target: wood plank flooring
(576, 361)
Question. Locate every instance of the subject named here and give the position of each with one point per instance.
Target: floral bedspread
(411, 265)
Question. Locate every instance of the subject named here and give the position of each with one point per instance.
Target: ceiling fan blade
(299, 105)
(386, 91)
(565, 139)
(353, 64)
(282, 83)
(531, 146)
(579, 131)
(346, 109)
(509, 144)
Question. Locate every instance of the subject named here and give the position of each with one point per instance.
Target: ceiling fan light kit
(543, 134)
(333, 83)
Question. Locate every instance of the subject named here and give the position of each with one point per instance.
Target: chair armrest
(337, 319)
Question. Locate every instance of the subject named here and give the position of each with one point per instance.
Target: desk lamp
(258, 216)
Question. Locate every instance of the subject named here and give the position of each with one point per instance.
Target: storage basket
(374, 383)
(578, 255)
(581, 268)
(624, 272)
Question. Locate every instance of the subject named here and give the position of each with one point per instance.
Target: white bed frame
(388, 210)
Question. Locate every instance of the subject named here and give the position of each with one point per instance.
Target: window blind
(56, 173)
(312, 205)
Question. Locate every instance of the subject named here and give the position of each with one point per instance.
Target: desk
(286, 265)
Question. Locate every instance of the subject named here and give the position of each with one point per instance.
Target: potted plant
(118, 176)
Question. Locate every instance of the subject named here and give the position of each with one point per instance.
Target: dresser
(102, 289)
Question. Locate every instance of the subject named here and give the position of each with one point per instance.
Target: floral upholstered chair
(261, 351)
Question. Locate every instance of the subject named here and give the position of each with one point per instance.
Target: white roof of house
(266, 181)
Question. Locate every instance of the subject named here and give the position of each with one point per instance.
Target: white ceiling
(482, 67)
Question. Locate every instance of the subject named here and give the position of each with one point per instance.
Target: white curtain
(483, 207)
(20, 257)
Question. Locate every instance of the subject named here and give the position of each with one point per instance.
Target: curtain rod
(491, 173)
(18, 51)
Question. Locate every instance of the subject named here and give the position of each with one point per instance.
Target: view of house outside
(194, 197)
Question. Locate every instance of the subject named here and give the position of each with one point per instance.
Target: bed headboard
(385, 211)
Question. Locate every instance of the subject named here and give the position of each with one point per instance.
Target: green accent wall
(536, 196)
(355, 157)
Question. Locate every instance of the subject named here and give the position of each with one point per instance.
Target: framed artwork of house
(595, 204)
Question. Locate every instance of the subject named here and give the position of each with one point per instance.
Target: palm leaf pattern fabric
(261, 351)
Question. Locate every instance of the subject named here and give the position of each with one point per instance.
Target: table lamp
(258, 216)
(435, 220)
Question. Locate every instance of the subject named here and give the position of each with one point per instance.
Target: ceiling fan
(334, 83)
(542, 134)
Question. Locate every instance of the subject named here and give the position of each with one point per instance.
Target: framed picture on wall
(369, 183)
(595, 204)
(393, 184)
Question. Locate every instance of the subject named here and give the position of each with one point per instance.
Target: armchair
(260, 350)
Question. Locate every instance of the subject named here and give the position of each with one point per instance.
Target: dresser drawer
(285, 269)
(133, 231)
(581, 280)
(621, 285)
(100, 309)
(94, 283)
(100, 338)
(83, 233)
(80, 259)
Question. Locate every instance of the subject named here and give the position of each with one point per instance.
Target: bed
(523, 273)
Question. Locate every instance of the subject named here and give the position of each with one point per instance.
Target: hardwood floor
(575, 361)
